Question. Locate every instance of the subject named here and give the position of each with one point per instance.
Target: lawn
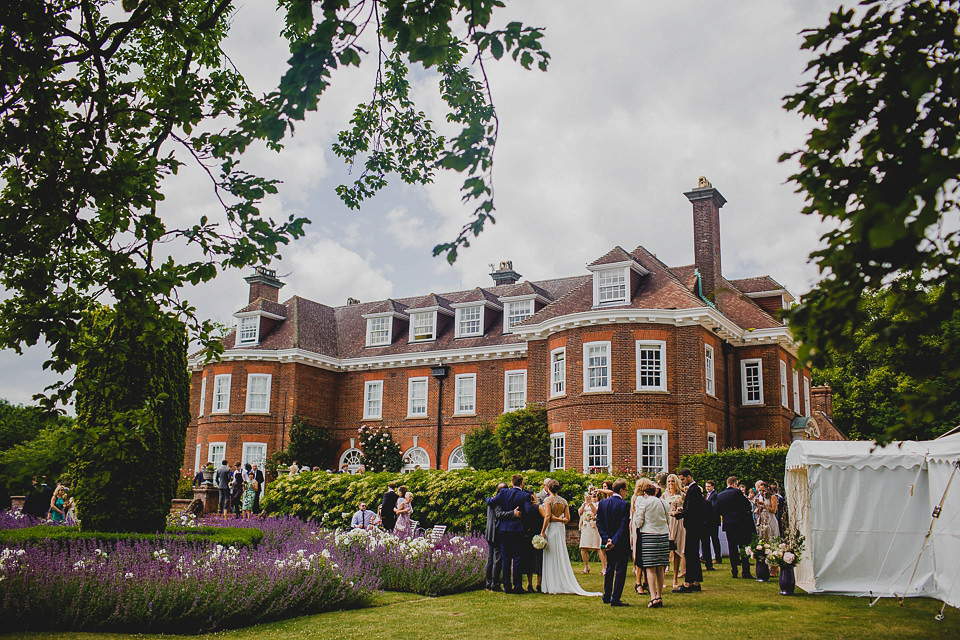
(727, 608)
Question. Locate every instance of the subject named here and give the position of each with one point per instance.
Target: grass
(728, 608)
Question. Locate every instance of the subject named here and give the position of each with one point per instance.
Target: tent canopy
(866, 511)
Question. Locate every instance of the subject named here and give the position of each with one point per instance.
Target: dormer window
(515, 313)
(248, 331)
(379, 330)
(469, 321)
(612, 283)
(423, 326)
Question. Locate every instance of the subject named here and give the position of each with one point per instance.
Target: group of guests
(239, 489)
(395, 512)
(671, 521)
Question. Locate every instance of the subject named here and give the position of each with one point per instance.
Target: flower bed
(450, 564)
(168, 585)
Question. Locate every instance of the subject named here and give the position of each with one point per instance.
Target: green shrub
(45, 534)
(453, 498)
(380, 452)
(524, 439)
(748, 466)
(309, 445)
(481, 448)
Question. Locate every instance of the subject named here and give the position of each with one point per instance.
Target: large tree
(881, 166)
(101, 102)
(871, 383)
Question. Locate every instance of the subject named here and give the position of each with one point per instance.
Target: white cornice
(706, 317)
(783, 293)
(434, 308)
(477, 303)
(425, 358)
(258, 312)
(631, 264)
(385, 314)
(536, 297)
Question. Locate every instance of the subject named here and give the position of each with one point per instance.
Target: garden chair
(437, 532)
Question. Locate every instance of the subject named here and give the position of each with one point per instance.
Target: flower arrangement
(759, 549)
(539, 542)
(787, 550)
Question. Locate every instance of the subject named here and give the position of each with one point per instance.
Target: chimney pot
(264, 284)
(505, 274)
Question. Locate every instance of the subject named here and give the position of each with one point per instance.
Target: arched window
(416, 457)
(353, 458)
(457, 459)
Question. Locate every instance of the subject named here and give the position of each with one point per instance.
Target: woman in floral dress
(404, 511)
(678, 533)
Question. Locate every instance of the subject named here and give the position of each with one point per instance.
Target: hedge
(748, 466)
(226, 536)
(452, 498)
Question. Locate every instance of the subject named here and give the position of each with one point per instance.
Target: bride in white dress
(558, 574)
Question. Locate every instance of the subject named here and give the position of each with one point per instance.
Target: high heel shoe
(586, 570)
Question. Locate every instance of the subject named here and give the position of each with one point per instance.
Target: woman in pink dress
(404, 509)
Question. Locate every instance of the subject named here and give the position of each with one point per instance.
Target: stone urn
(207, 476)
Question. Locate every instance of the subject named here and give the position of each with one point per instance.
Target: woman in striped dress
(652, 521)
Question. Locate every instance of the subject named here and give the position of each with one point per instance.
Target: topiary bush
(481, 448)
(749, 466)
(524, 439)
(453, 498)
(133, 392)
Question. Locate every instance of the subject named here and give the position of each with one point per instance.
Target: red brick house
(636, 363)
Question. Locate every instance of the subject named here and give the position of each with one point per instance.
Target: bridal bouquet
(539, 542)
(588, 516)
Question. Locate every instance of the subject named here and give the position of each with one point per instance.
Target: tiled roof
(615, 255)
(480, 295)
(757, 284)
(525, 288)
(262, 304)
(430, 300)
(341, 331)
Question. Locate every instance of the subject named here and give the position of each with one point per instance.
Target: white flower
(128, 575)
(789, 557)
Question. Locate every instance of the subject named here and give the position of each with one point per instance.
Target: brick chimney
(504, 274)
(264, 284)
(706, 235)
(821, 399)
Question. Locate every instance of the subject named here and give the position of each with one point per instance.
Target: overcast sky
(640, 99)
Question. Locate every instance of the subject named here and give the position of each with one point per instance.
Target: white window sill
(464, 415)
(658, 392)
(597, 392)
(372, 418)
(559, 397)
(419, 416)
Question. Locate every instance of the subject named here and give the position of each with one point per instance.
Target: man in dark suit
(512, 504)
(388, 516)
(258, 476)
(613, 523)
(693, 515)
(494, 559)
(737, 514)
(713, 529)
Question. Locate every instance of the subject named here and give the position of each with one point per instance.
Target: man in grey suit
(222, 480)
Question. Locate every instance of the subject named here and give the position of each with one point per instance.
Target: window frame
(414, 315)
(509, 306)
(216, 460)
(586, 449)
(506, 389)
(586, 367)
(796, 391)
(218, 392)
(665, 450)
(711, 440)
(457, 393)
(244, 458)
(710, 371)
(556, 380)
(754, 444)
(388, 318)
(598, 274)
(784, 392)
(203, 394)
(409, 466)
(196, 463)
(560, 437)
(450, 463)
(368, 386)
(806, 396)
(648, 345)
(259, 376)
(410, 399)
(253, 321)
(744, 388)
(345, 457)
(458, 320)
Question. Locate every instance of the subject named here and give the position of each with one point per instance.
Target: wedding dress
(558, 576)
